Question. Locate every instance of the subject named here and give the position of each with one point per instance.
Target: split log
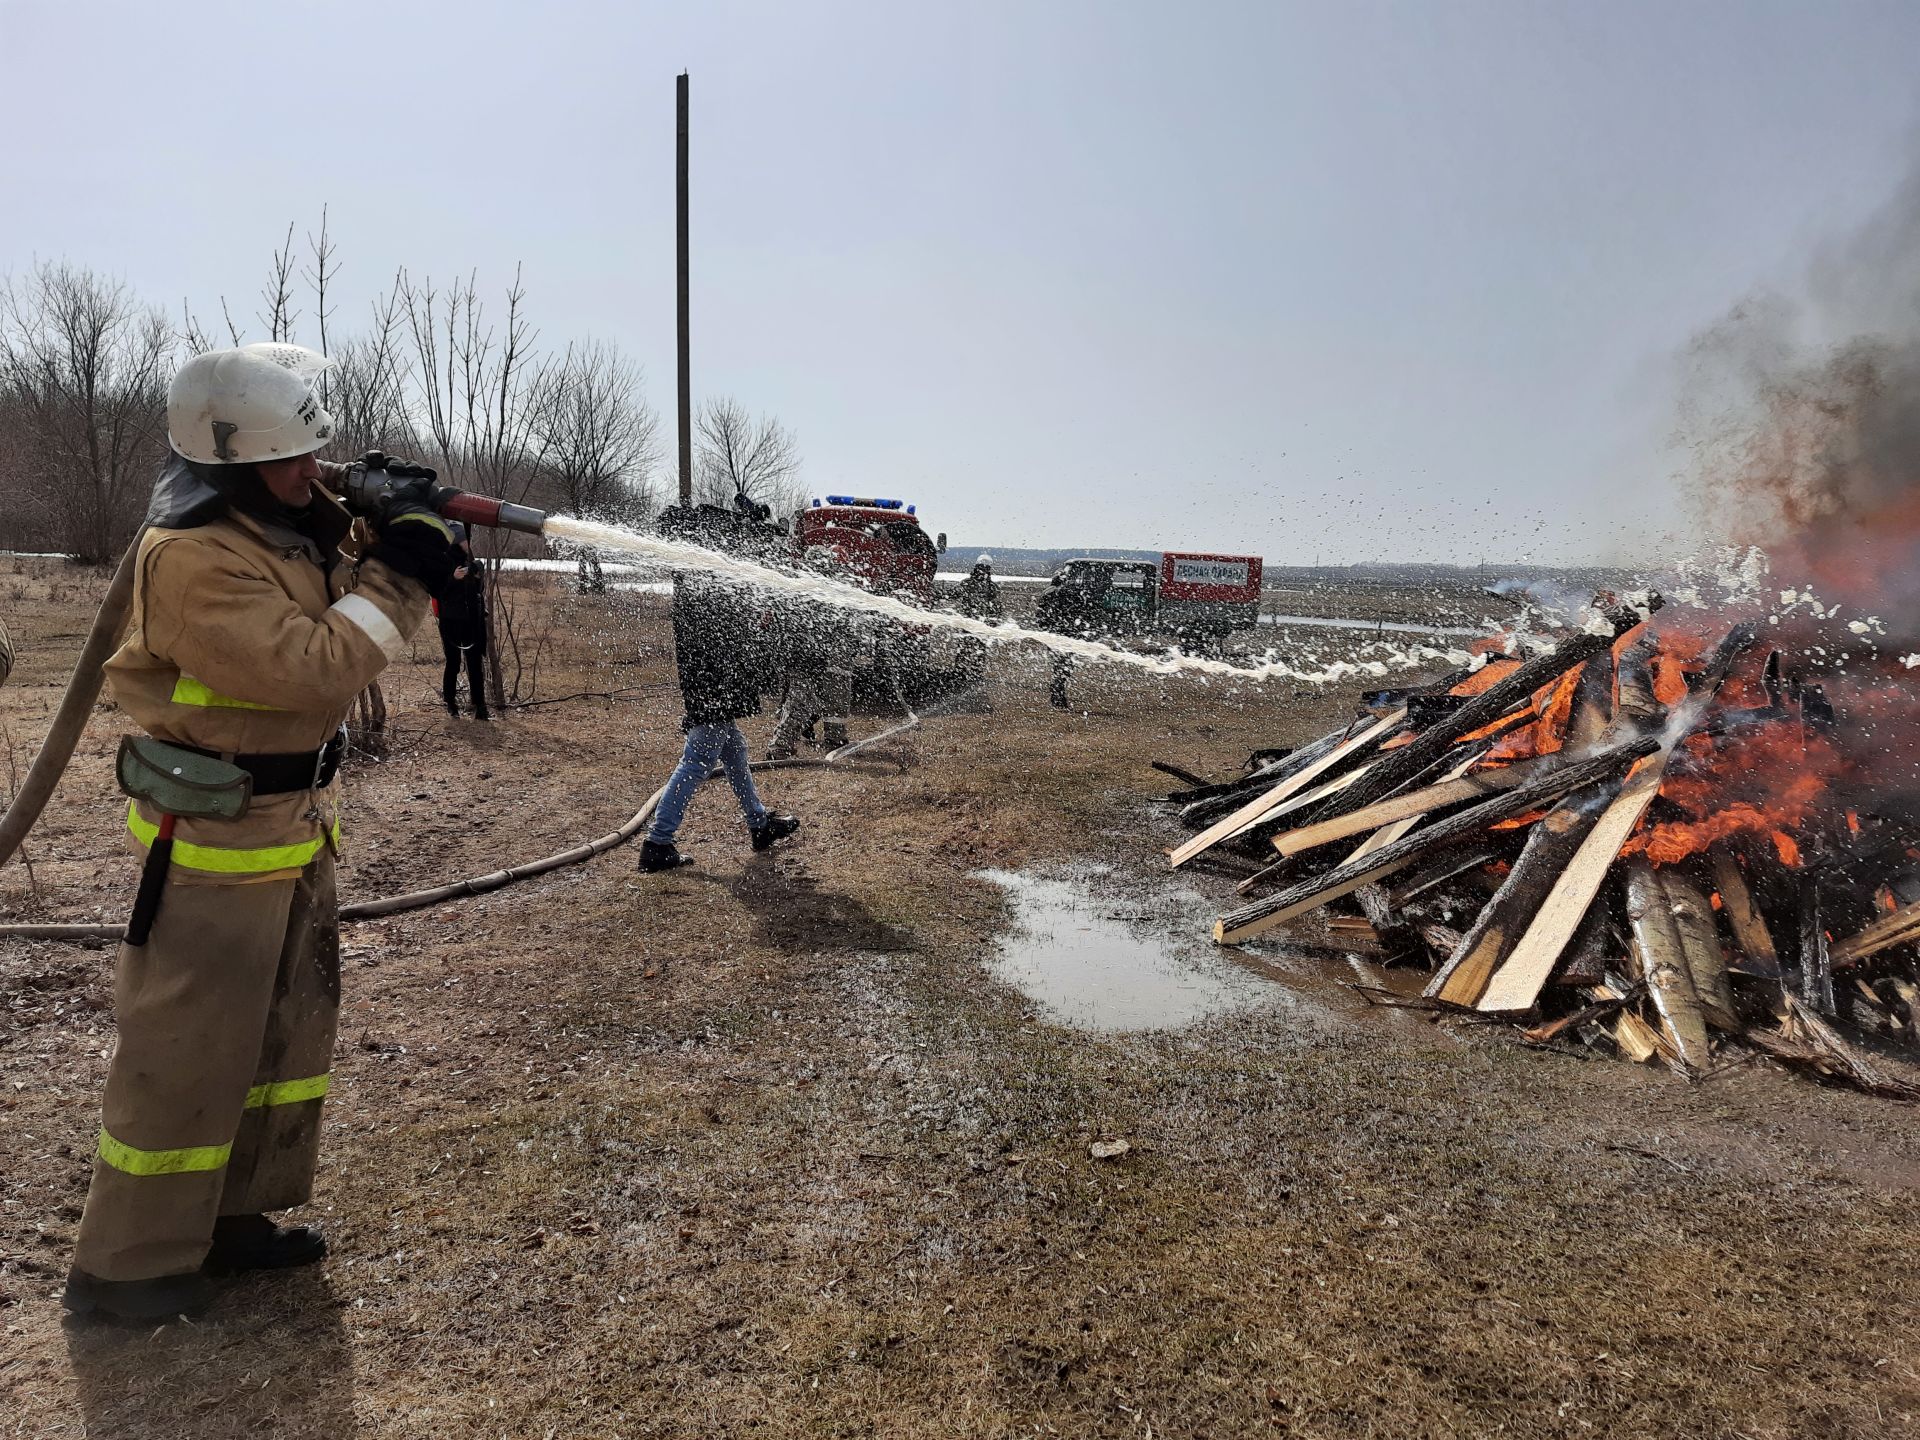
(1896, 927)
(1700, 940)
(1816, 960)
(1271, 800)
(1549, 850)
(1398, 767)
(1663, 961)
(1744, 919)
(1263, 915)
(1638, 1041)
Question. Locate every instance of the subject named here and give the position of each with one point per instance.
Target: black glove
(415, 542)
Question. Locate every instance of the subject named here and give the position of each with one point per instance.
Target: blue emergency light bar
(870, 504)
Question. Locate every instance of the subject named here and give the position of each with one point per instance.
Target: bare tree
(479, 391)
(599, 441)
(84, 367)
(367, 390)
(739, 455)
(279, 316)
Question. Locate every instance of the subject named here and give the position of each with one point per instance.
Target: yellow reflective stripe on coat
(225, 861)
(287, 1092)
(189, 691)
(135, 1161)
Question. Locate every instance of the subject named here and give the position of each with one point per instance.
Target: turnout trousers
(226, 1017)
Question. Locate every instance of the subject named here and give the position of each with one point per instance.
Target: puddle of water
(1086, 961)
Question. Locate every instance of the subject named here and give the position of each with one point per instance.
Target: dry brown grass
(761, 1148)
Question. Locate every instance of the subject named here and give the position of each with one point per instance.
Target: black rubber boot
(253, 1242)
(655, 857)
(774, 827)
(137, 1302)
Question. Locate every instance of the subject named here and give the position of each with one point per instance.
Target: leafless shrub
(84, 367)
(737, 454)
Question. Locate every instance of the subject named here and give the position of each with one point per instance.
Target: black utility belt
(285, 773)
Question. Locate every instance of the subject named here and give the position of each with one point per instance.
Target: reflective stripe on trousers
(135, 1161)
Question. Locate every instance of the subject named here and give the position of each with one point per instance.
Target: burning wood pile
(1673, 839)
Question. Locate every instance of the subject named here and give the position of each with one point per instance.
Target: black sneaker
(774, 827)
(137, 1302)
(655, 857)
(253, 1242)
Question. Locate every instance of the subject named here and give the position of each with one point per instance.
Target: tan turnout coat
(242, 643)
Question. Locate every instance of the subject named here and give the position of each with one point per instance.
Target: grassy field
(762, 1148)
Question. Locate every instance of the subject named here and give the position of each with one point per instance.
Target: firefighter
(978, 598)
(250, 637)
(1065, 610)
(461, 609)
(819, 643)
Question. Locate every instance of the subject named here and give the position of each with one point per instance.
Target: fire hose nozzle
(374, 479)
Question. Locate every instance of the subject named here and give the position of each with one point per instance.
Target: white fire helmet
(237, 407)
(986, 560)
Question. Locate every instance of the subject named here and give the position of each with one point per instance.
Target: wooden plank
(1744, 919)
(1400, 829)
(1456, 787)
(1517, 984)
(1896, 927)
(1658, 947)
(1204, 810)
(1265, 804)
(1263, 915)
(1549, 850)
(1312, 797)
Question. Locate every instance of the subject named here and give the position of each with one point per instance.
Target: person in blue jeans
(725, 659)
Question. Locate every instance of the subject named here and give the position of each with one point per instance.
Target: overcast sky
(1331, 281)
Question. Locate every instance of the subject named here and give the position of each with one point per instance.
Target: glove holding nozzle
(413, 541)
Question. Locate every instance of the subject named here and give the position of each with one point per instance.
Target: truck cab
(879, 540)
(1189, 597)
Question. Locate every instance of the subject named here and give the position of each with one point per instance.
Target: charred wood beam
(1398, 767)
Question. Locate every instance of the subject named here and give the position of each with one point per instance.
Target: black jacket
(721, 645)
(463, 609)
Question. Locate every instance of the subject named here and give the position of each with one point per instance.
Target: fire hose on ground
(367, 484)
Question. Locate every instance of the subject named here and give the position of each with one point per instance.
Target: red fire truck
(878, 540)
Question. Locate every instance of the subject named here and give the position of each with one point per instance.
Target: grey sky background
(1332, 281)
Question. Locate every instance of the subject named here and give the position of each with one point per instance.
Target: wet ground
(768, 1146)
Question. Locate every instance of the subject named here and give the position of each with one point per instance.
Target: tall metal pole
(680, 221)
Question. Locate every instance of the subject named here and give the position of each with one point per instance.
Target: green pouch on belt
(182, 782)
